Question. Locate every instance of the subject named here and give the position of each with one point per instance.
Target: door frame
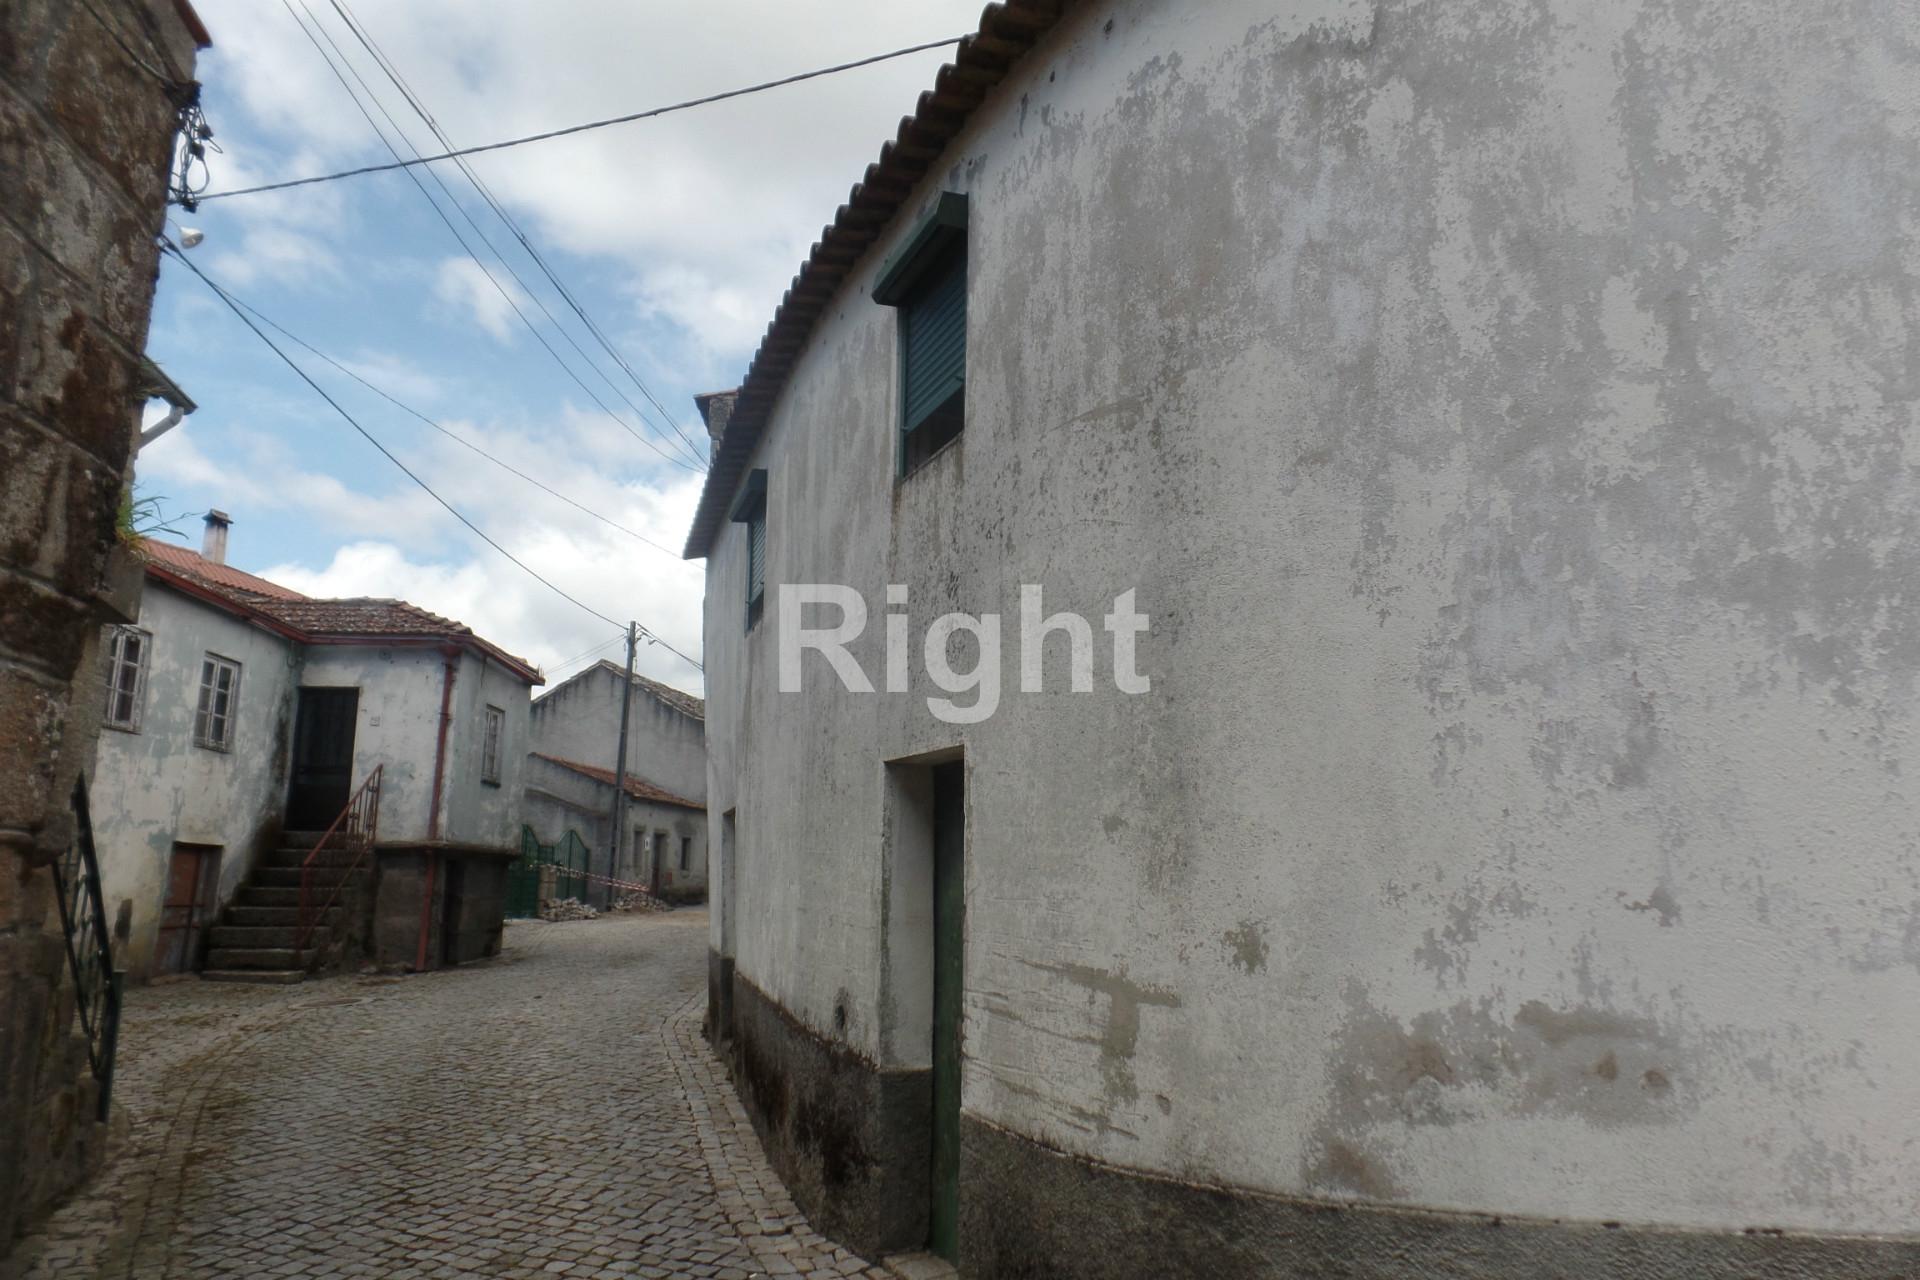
(923, 979)
(300, 702)
(202, 909)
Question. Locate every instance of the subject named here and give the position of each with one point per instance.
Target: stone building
(575, 740)
(240, 712)
(1497, 853)
(88, 114)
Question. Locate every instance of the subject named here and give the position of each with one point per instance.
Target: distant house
(242, 716)
(574, 738)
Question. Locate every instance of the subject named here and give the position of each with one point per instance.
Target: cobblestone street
(551, 1113)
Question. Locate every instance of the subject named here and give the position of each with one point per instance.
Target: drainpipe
(433, 811)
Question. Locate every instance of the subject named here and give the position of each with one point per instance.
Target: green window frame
(926, 282)
(750, 509)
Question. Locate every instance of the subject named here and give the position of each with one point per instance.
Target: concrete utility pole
(620, 766)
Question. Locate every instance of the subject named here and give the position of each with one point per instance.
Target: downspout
(452, 654)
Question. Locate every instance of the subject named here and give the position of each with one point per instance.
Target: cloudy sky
(676, 236)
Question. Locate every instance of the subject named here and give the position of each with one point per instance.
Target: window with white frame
(127, 649)
(219, 701)
(494, 730)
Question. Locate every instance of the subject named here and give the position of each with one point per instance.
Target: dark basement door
(322, 758)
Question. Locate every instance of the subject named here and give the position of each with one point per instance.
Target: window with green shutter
(927, 282)
(750, 509)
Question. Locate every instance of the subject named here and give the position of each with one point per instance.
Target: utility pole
(620, 767)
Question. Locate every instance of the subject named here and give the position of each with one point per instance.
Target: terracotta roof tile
(315, 621)
(223, 578)
(638, 788)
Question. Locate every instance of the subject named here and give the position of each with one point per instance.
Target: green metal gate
(544, 871)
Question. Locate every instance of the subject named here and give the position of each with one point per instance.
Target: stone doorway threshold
(919, 1266)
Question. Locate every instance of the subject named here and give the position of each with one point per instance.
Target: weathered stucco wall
(155, 788)
(580, 720)
(1505, 414)
(398, 727)
(558, 800)
(480, 812)
(85, 141)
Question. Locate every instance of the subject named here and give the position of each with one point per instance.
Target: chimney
(214, 546)
(716, 407)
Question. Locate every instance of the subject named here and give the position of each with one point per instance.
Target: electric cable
(412, 98)
(648, 114)
(404, 407)
(354, 422)
(475, 257)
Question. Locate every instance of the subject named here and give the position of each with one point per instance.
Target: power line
(594, 124)
(602, 647)
(412, 99)
(653, 638)
(468, 248)
(338, 408)
(404, 407)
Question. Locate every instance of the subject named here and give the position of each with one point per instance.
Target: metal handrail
(83, 920)
(356, 827)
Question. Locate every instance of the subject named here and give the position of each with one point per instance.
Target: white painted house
(1504, 417)
(240, 711)
(574, 744)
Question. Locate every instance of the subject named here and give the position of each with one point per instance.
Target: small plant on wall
(142, 516)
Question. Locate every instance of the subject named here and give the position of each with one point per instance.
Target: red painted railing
(354, 830)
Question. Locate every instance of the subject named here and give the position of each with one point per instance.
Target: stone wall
(85, 144)
(467, 918)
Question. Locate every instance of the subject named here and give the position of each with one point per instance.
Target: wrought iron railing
(354, 832)
(97, 984)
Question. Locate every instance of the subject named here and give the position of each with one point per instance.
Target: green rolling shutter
(934, 328)
(757, 556)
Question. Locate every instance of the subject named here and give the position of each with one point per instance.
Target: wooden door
(193, 883)
(322, 758)
(949, 948)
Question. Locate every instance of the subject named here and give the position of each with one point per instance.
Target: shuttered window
(494, 729)
(757, 556)
(927, 281)
(933, 331)
(750, 509)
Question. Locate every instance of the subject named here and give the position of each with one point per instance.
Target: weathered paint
(398, 725)
(579, 719)
(1505, 414)
(155, 788)
(558, 799)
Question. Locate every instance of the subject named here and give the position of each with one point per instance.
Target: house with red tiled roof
(244, 716)
(574, 742)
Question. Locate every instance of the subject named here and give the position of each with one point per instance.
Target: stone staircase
(255, 939)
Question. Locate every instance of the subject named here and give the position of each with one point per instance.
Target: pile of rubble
(566, 909)
(637, 901)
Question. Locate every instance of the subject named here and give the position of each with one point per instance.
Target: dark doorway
(949, 943)
(322, 758)
(193, 886)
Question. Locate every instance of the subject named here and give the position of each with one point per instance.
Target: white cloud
(385, 554)
(708, 212)
(261, 476)
(396, 375)
(464, 285)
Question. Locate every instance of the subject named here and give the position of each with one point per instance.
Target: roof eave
(1008, 32)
